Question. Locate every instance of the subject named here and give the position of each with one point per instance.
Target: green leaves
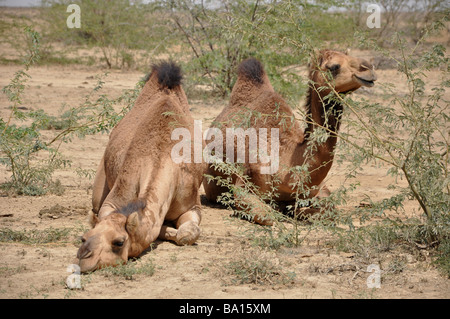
(31, 158)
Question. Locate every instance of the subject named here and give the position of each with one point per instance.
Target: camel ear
(93, 219)
(132, 223)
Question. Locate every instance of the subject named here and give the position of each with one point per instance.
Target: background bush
(408, 134)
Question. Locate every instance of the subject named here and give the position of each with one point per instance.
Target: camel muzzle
(85, 251)
(368, 81)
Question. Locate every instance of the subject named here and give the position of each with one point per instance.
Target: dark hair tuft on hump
(168, 74)
(251, 69)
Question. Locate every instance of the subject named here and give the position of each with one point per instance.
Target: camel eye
(334, 69)
(118, 242)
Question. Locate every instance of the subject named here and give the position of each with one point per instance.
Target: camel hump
(168, 74)
(251, 69)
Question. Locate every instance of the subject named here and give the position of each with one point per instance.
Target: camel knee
(188, 229)
(168, 233)
(188, 233)
(192, 215)
(323, 191)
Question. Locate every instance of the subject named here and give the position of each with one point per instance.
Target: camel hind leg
(187, 229)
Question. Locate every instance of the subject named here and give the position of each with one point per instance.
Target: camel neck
(322, 112)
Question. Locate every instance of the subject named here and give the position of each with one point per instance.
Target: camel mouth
(364, 82)
(88, 265)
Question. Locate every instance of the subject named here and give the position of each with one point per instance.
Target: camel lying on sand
(254, 93)
(139, 193)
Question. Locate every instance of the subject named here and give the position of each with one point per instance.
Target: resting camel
(139, 193)
(254, 93)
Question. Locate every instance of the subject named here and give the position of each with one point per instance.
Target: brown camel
(253, 94)
(139, 193)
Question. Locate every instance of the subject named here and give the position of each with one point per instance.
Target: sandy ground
(198, 271)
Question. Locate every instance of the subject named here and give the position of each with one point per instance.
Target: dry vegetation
(39, 235)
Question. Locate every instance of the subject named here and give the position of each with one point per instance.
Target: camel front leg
(187, 229)
(100, 188)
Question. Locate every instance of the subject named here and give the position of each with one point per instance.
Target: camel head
(110, 241)
(344, 72)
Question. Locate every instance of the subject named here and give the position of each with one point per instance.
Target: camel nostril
(84, 252)
(87, 254)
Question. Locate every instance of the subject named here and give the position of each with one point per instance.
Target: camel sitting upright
(139, 193)
(253, 93)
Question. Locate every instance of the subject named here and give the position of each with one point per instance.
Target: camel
(139, 193)
(253, 94)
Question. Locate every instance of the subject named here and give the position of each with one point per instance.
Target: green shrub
(407, 133)
(257, 267)
(31, 158)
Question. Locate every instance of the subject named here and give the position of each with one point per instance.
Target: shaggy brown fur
(254, 93)
(137, 186)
